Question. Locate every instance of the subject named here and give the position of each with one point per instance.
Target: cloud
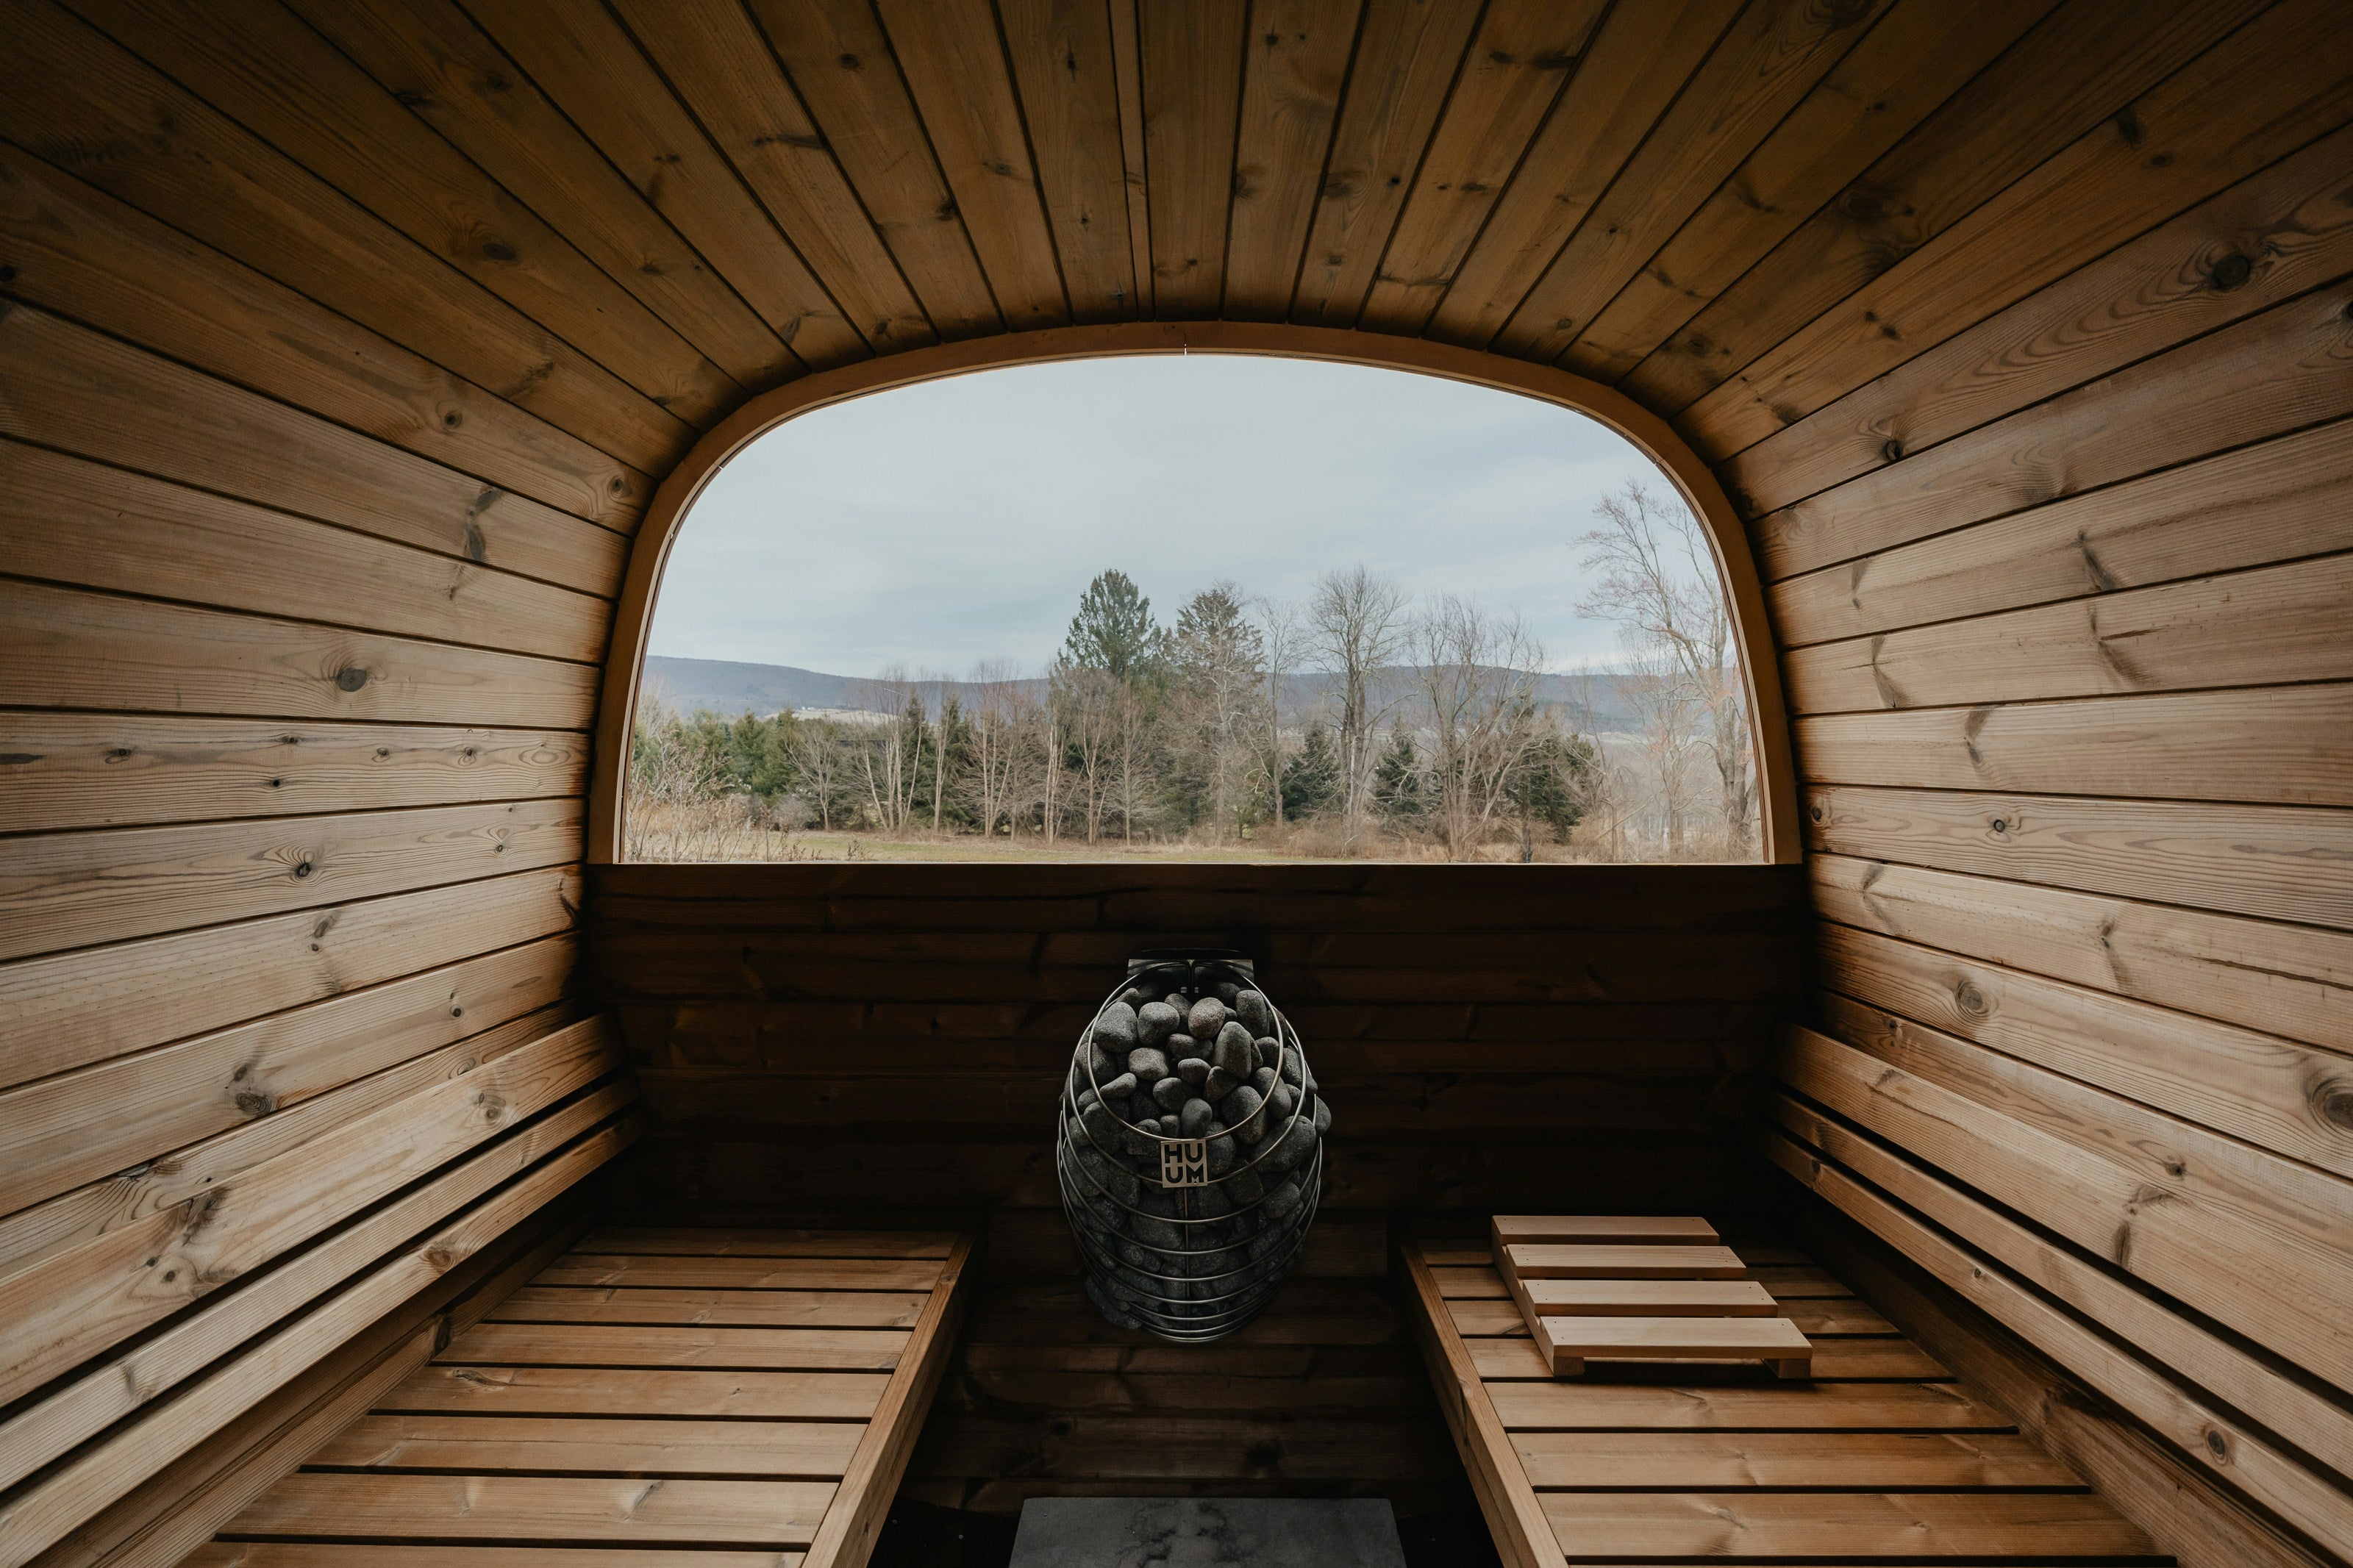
(940, 525)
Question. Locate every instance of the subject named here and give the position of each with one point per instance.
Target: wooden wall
(342, 345)
(298, 642)
(2061, 565)
(830, 1039)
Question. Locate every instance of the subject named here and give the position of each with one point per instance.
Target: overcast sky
(944, 524)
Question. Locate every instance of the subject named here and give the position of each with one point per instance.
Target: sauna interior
(390, 1176)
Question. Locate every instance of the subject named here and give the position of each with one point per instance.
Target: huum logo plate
(1184, 1162)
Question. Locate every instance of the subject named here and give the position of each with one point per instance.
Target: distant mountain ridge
(728, 688)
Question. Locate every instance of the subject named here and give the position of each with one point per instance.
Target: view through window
(1204, 607)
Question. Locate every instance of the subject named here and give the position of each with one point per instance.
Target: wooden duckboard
(728, 1395)
(1882, 1457)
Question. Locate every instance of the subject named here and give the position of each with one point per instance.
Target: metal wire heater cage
(1188, 1224)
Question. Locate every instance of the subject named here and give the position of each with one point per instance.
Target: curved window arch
(1422, 640)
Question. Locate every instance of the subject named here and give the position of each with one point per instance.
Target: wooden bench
(725, 1397)
(1883, 1457)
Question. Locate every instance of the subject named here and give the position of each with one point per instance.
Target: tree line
(1325, 726)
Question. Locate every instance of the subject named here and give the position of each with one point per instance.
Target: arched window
(1209, 606)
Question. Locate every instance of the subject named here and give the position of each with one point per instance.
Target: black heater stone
(1191, 1147)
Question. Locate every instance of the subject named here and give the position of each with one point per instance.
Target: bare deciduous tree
(1356, 626)
(1476, 675)
(1659, 583)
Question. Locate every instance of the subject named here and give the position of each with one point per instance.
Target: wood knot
(2231, 272)
(1970, 999)
(2218, 1445)
(1893, 451)
(351, 678)
(2332, 1102)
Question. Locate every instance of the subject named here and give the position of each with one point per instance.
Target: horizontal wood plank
(494, 1508)
(711, 1306)
(2267, 862)
(90, 1006)
(1893, 1461)
(77, 889)
(448, 1389)
(611, 1344)
(1635, 1526)
(477, 1444)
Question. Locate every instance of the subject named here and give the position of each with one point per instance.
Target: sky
(939, 526)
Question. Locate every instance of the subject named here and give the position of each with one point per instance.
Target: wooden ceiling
(625, 218)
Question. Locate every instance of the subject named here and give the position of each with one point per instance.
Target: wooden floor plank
(346, 1554)
(743, 1273)
(605, 1445)
(1574, 1260)
(548, 1509)
(713, 1308)
(622, 1344)
(601, 1391)
(1824, 1407)
(1517, 1359)
(725, 1241)
(2040, 1526)
(1893, 1461)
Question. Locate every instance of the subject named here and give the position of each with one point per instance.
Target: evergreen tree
(1114, 631)
(1400, 792)
(1550, 785)
(1311, 779)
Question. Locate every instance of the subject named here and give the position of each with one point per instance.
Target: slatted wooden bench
(726, 1397)
(1883, 1457)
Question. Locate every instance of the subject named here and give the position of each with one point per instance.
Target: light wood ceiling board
(92, 1006)
(256, 61)
(1191, 56)
(1067, 76)
(89, 525)
(432, 58)
(101, 1117)
(1526, 52)
(841, 65)
(2267, 625)
(1634, 67)
(1407, 54)
(2274, 745)
(2265, 239)
(67, 648)
(2081, 65)
(1768, 60)
(2246, 1382)
(2289, 367)
(721, 68)
(2293, 980)
(955, 65)
(76, 1303)
(73, 890)
(2265, 862)
(69, 89)
(71, 389)
(2247, 101)
(1299, 54)
(563, 1510)
(1127, 69)
(1917, 56)
(84, 253)
(112, 769)
(579, 55)
(75, 1217)
(2274, 500)
(2229, 1236)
